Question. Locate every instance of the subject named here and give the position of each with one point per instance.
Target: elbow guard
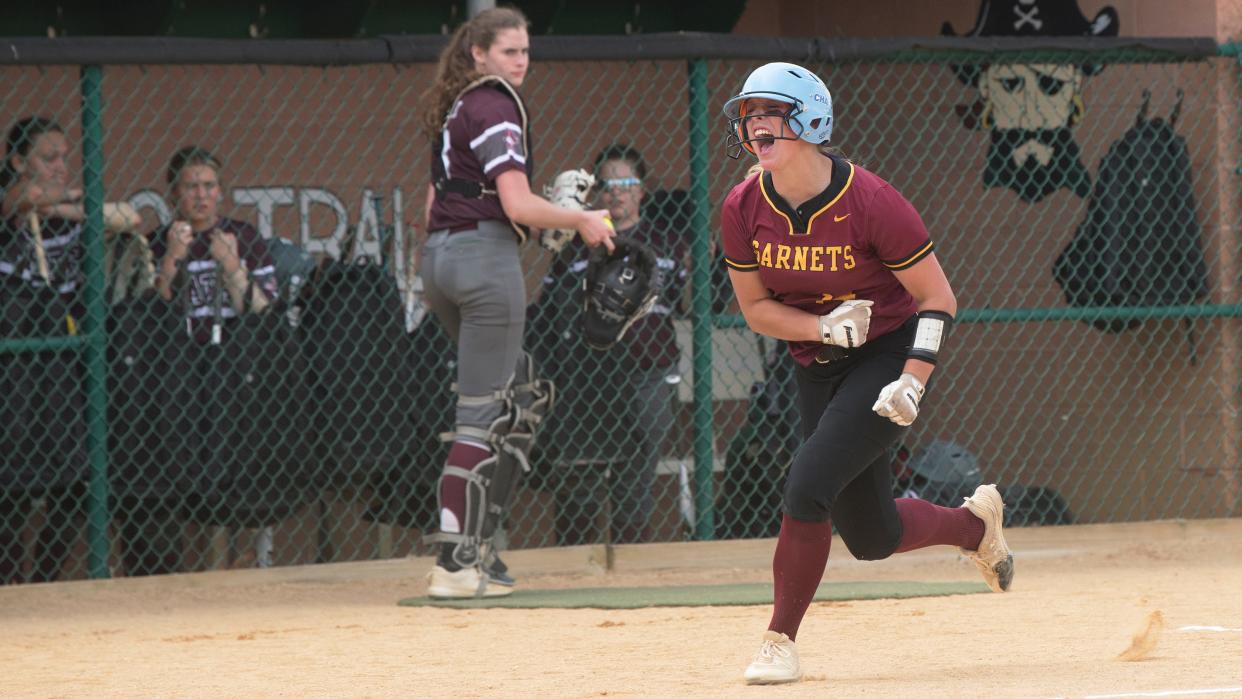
(930, 331)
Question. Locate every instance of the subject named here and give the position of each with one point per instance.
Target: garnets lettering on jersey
(482, 139)
(843, 244)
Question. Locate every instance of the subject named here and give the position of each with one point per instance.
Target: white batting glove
(899, 401)
(847, 325)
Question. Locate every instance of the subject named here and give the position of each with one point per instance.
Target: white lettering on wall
(331, 245)
(265, 199)
(370, 217)
(366, 238)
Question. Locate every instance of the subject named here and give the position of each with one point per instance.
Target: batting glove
(847, 325)
(899, 401)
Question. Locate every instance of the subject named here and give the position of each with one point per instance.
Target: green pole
(42, 344)
(701, 280)
(93, 325)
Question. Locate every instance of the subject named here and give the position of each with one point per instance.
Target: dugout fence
(1083, 196)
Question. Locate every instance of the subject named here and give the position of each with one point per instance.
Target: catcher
(480, 209)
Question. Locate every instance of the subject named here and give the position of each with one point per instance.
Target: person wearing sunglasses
(632, 384)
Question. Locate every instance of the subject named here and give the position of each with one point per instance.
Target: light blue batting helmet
(810, 114)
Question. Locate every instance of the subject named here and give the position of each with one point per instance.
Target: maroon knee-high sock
(464, 455)
(797, 568)
(924, 524)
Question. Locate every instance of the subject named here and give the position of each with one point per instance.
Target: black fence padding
(749, 503)
(364, 379)
(423, 48)
(255, 463)
(42, 425)
(586, 383)
(405, 493)
(152, 438)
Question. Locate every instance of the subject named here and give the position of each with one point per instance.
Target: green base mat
(695, 595)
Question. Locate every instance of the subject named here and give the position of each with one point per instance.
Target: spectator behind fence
(216, 269)
(41, 442)
(617, 404)
(203, 249)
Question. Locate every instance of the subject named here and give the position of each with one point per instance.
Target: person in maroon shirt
(41, 219)
(633, 384)
(215, 268)
(479, 208)
(221, 260)
(831, 258)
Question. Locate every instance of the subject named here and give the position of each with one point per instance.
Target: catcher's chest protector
(467, 188)
(1139, 244)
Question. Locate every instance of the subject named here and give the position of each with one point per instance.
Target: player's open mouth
(764, 140)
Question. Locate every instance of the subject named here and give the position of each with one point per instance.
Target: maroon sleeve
(496, 136)
(739, 252)
(258, 260)
(895, 231)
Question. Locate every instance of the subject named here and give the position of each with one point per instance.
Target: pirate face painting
(1030, 109)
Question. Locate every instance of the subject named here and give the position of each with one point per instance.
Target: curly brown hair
(456, 67)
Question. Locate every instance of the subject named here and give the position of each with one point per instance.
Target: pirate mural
(1030, 109)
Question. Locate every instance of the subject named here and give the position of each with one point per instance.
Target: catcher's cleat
(464, 583)
(993, 557)
(776, 662)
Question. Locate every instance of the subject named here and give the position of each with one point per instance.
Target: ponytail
(456, 67)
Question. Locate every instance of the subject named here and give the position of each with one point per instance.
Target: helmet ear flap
(741, 137)
(741, 128)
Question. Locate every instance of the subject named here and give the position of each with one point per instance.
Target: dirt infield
(1080, 595)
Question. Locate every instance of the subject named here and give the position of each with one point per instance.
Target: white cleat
(466, 583)
(776, 662)
(993, 558)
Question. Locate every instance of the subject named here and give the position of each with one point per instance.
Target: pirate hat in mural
(1033, 18)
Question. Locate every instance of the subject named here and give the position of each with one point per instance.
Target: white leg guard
(533, 395)
(492, 485)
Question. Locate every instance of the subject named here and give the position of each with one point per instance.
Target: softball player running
(831, 258)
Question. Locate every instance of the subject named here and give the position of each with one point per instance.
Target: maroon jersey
(843, 244)
(482, 138)
(62, 248)
(204, 297)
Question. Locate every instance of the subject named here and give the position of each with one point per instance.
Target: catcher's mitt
(619, 288)
(569, 190)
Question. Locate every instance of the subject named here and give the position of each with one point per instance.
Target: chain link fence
(1083, 196)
